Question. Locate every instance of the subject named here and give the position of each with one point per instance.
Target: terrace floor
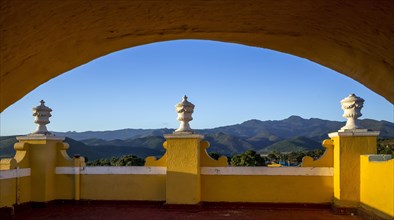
(116, 211)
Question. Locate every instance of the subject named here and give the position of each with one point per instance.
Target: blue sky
(229, 83)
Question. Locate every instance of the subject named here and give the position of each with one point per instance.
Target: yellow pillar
(183, 185)
(349, 145)
(39, 153)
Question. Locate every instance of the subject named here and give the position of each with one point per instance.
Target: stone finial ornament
(41, 115)
(352, 106)
(184, 109)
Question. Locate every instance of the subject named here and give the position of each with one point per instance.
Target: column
(183, 159)
(350, 142)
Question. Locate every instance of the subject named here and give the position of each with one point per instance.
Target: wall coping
(378, 157)
(112, 170)
(354, 133)
(235, 171)
(40, 137)
(183, 135)
(14, 173)
(268, 171)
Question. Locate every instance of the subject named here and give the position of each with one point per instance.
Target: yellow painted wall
(154, 162)
(65, 181)
(43, 155)
(123, 187)
(24, 190)
(183, 171)
(354, 39)
(372, 183)
(208, 161)
(297, 189)
(377, 185)
(43, 162)
(14, 191)
(7, 192)
(272, 189)
(347, 151)
(326, 160)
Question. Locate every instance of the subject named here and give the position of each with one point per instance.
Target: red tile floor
(114, 211)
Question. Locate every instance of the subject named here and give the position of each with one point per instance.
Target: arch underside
(43, 39)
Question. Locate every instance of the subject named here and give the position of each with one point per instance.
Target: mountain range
(291, 134)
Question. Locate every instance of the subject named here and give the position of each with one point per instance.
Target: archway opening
(229, 84)
(41, 40)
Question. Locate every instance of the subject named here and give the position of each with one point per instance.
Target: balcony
(42, 181)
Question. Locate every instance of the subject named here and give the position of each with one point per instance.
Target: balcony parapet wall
(346, 175)
(377, 184)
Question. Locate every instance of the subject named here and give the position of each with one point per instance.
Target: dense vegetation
(293, 137)
(287, 135)
(386, 146)
(125, 160)
(249, 158)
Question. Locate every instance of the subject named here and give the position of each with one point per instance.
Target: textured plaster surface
(347, 151)
(183, 171)
(43, 39)
(271, 189)
(377, 184)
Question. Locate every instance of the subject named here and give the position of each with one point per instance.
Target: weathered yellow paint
(63, 159)
(326, 160)
(14, 191)
(354, 39)
(274, 165)
(370, 184)
(7, 192)
(22, 156)
(377, 186)
(43, 164)
(183, 183)
(65, 186)
(7, 164)
(347, 151)
(207, 161)
(77, 178)
(123, 187)
(153, 162)
(275, 189)
(42, 155)
(23, 190)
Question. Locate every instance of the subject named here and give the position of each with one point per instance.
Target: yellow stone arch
(42, 39)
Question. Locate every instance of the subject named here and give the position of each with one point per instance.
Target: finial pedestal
(350, 142)
(183, 181)
(184, 109)
(41, 115)
(351, 106)
(42, 152)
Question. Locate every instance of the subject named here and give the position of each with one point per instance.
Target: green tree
(214, 155)
(125, 160)
(129, 160)
(385, 146)
(249, 158)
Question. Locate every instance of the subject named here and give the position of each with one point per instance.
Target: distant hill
(122, 134)
(7, 146)
(264, 132)
(227, 144)
(150, 142)
(314, 128)
(91, 152)
(291, 134)
(294, 144)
